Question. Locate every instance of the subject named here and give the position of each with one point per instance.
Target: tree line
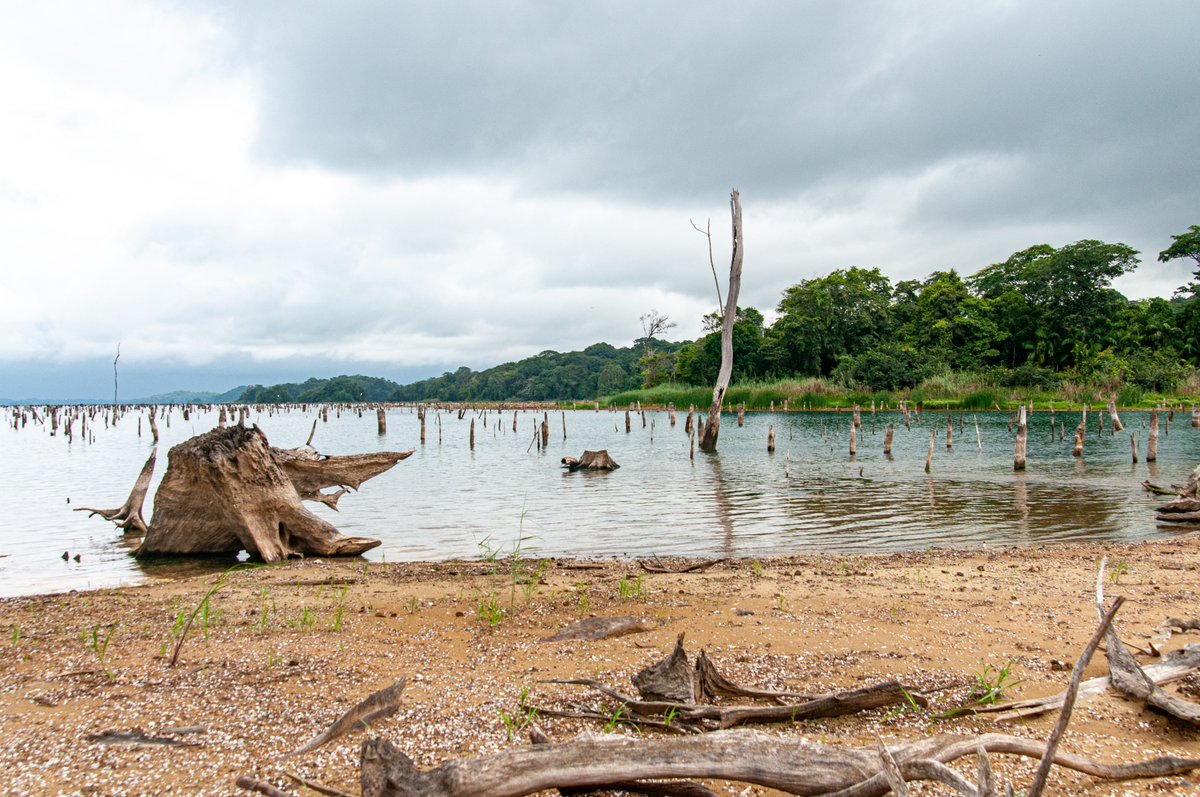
(1043, 315)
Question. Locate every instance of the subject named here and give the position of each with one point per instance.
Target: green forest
(1044, 318)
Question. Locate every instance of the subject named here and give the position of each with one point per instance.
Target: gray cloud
(371, 185)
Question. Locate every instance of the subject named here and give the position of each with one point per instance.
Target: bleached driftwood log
(791, 766)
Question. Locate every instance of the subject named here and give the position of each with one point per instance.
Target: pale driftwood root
(376, 706)
(128, 516)
(791, 766)
(224, 491)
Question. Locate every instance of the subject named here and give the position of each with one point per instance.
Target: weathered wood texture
(712, 429)
(789, 765)
(227, 490)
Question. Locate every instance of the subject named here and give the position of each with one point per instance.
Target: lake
(447, 501)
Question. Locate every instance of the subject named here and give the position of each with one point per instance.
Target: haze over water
(447, 501)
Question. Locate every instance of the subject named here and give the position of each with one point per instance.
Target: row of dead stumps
(695, 740)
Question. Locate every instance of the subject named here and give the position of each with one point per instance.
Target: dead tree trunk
(1022, 435)
(1152, 440)
(887, 440)
(708, 442)
(1117, 426)
(228, 490)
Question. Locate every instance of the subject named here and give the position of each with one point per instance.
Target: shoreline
(291, 647)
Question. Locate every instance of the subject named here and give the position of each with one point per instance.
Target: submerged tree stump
(1186, 507)
(591, 460)
(227, 490)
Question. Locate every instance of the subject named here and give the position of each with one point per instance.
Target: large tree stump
(228, 490)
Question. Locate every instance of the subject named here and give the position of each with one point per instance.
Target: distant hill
(192, 397)
(599, 370)
(339, 389)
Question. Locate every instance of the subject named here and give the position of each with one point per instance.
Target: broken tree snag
(791, 766)
(670, 680)
(227, 490)
(887, 440)
(591, 460)
(128, 516)
(1117, 426)
(708, 440)
(1022, 437)
(1152, 439)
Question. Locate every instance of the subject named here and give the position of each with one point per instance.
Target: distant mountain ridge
(193, 397)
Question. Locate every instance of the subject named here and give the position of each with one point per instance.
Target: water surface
(449, 501)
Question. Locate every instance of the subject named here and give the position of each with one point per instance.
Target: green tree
(1185, 245)
(1053, 304)
(699, 362)
(826, 318)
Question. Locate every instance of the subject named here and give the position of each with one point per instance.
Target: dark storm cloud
(658, 102)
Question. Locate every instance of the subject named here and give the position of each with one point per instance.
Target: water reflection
(724, 510)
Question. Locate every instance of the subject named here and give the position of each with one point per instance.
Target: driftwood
(674, 688)
(669, 680)
(227, 490)
(262, 787)
(594, 628)
(791, 766)
(591, 460)
(376, 706)
(649, 788)
(1186, 507)
(310, 472)
(1183, 625)
(1175, 664)
(1128, 678)
(128, 516)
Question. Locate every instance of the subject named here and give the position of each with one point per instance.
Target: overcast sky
(251, 192)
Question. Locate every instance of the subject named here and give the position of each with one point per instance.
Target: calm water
(448, 501)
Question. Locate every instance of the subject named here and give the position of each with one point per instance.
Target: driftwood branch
(1128, 678)
(1043, 770)
(376, 706)
(791, 766)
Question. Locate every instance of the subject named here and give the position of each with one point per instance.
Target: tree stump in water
(1185, 508)
(227, 490)
(591, 460)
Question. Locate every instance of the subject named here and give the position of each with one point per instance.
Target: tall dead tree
(708, 441)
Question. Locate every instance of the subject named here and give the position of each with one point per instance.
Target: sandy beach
(284, 650)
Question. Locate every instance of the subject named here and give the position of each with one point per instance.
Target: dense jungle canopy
(1041, 316)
